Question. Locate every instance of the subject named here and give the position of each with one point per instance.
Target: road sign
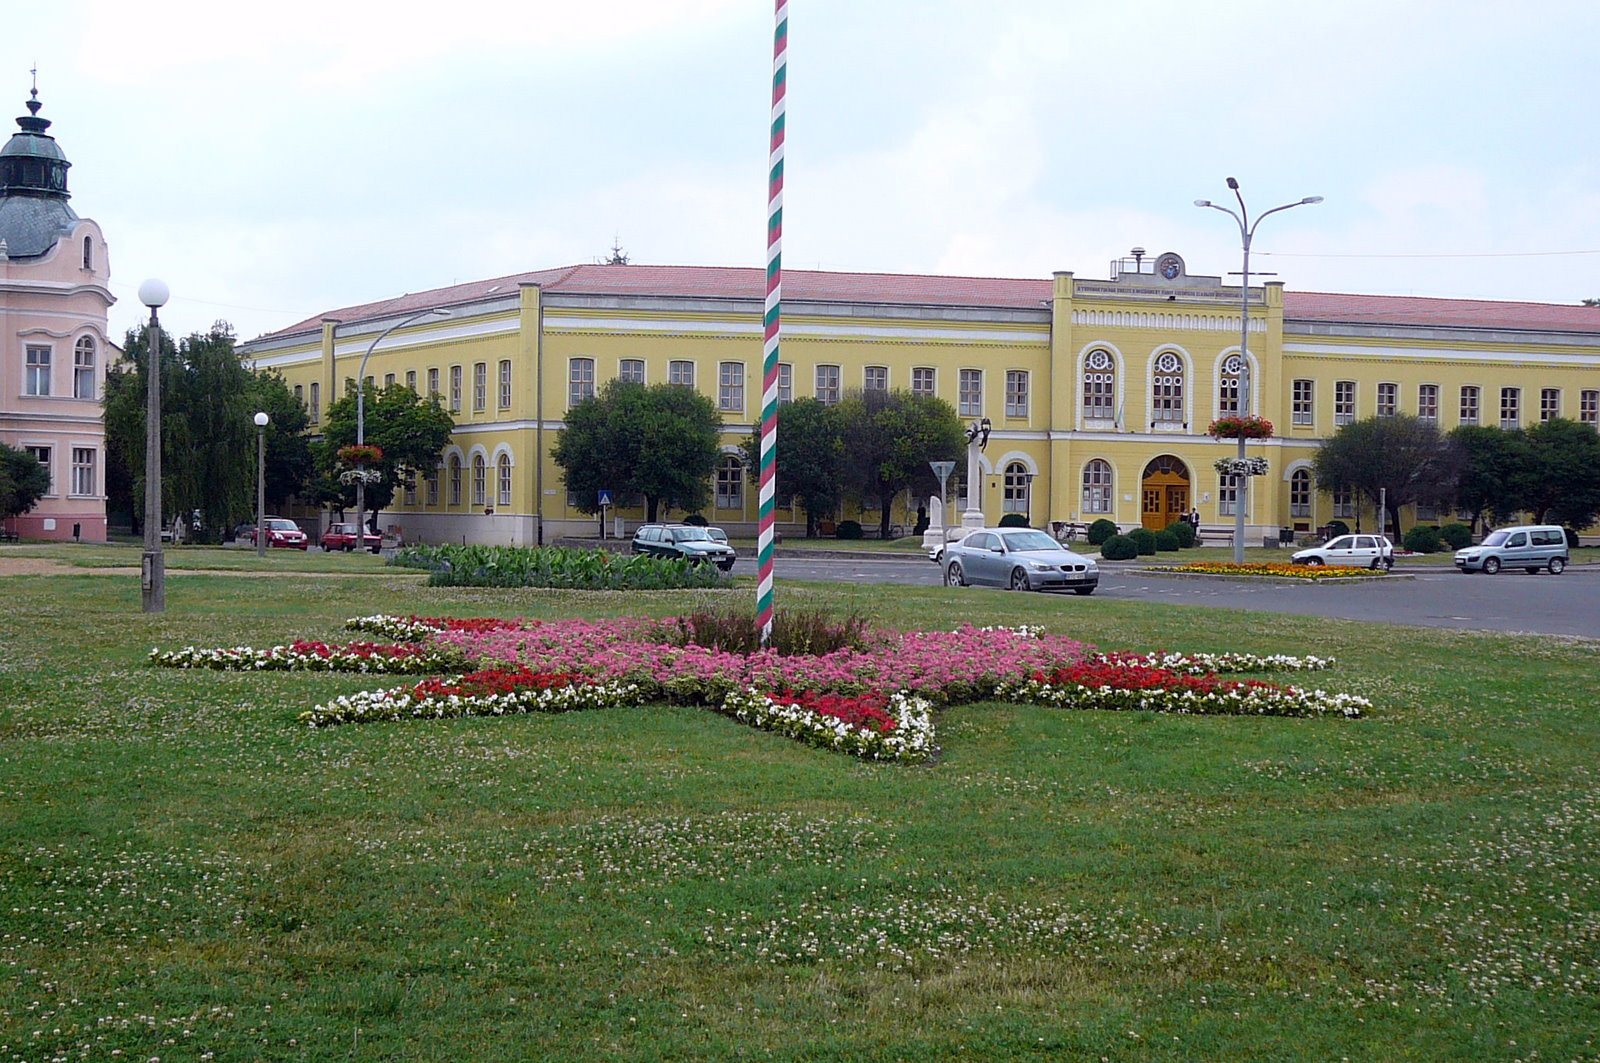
(605, 498)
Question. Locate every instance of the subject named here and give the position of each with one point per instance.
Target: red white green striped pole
(773, 323)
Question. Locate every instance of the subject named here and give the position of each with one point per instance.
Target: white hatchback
(1356, 551)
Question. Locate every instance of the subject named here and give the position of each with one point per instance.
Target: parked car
(284, 532)
(244, 532)
(688, 541)
(1355, 551)
(1023, 559)
(717, 534)
(343, 537)
(1529, 547)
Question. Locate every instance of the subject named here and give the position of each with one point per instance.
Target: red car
(285, 533)
(343, 537)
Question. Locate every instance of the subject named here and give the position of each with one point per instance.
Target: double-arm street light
(153, 571)
(1247, 232)
(361, 413)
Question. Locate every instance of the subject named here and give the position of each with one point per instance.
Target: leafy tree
(411, 431)
(1402, 458)
(290, 464)
(23, 481)
(1561, 480)
(889, 439)
(1493, 465)
(659, 442)
(808, 465)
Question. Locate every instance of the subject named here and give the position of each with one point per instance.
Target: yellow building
(1099, 391)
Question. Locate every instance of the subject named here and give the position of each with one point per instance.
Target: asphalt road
(1568, 604)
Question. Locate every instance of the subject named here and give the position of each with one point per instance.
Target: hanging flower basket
(1241, 466)
(361, 454)
(1251, 427)
(365, 476)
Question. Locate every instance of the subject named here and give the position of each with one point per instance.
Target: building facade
(1099, 392)
(54, 297)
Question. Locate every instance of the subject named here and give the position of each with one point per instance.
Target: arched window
(1228, 386)
(1166, 390)
(479, 478)
(503, 478)
(1099, 386)
(1097, 487)
(455, 479)
(1300, 493)
(1017, 482)
(730, 483)
(83, 368)
(88, 253)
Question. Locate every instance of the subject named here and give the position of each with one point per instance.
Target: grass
(186, 874)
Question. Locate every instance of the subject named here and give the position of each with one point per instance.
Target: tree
(23, 481)
(889, 439)
(808, 465)
(411, 431)
(1401, 458)
(1494, 463)
(290, 464)
(1561, 478)
(659, 442)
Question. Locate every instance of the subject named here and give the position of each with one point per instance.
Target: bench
(1214, 535)
(7, 535)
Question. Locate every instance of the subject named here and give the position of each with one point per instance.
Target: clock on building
(1169, 266)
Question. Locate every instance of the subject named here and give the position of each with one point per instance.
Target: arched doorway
(1164, 494)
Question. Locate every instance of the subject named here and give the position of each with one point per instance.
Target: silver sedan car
(1023, 559)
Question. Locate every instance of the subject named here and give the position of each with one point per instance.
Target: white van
(1529, 546)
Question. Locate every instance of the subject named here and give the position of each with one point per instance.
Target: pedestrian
(1194, 520)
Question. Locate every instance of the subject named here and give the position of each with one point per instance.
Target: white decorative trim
(1386, 354)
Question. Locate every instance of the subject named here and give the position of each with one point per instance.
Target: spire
(31, 163)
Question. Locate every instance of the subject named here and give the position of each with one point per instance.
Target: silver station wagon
(1530, 547)
(1023, 559)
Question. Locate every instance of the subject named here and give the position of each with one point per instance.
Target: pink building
(53, 345)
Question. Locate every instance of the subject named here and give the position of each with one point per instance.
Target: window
(1549, 403)
(922, 381)
(83, 470)
(1510, 408)
(1300, 493)
(505, 383)
(88, 253)
(1228, 386)
(503, 468)
(1099, 386)
(730, 386)
(1428, 402)
(1344, 402)
(1388, 400)
(42, 456)
(1344, 503)
(388, 380)
(316, 402)
(970, 393)
(631, 370)
(1589, 408)
(680, 372)
(1097, 487)
(480, 386)
(580, 380)
(1015, 490)
(433, 382)
(455, 479)
(1303, 402)
(433, 487)
(1228, 495)
(730, 483)
(1166, 390)
(411, 492)
(455, 389)
(300, 394)
(479, 481)
(411, 379)
(828, 384)
(1016, 393)
(1469, 404)
(875, 378)
(37, 381)
(785, 383)
(83, 368)
(1426, 511)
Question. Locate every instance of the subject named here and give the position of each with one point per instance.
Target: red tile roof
(727, 282)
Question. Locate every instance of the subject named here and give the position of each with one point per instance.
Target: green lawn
(185, 874)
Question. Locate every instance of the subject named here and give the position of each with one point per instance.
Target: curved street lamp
(153, 571)
(361, 412)
(1247, 232)
(262, 421)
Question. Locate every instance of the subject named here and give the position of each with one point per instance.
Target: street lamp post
(153, 569)
(1247, 232)
(361, 414)
(261, 483)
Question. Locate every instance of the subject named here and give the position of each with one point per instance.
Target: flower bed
(1267, 568)
(497, 692)
(899, 727)
(414, 628)
(311, 656)
(1120, 685)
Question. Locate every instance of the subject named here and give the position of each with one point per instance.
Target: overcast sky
(274, 161)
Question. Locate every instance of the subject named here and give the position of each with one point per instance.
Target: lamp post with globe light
(153, 575)
(261, 420)
(1247, 232)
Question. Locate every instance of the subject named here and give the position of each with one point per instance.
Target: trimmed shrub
(1145, 540)
(1458, 535)
(1167, 540)
(1572, 538)
(1100, 531)
(848, 529)
(1337, 528)
(1183, 531)
(476, 565)
(1013, 520)
(696, 519)
(1119, 548)
(1422, 539)
(795, 632)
